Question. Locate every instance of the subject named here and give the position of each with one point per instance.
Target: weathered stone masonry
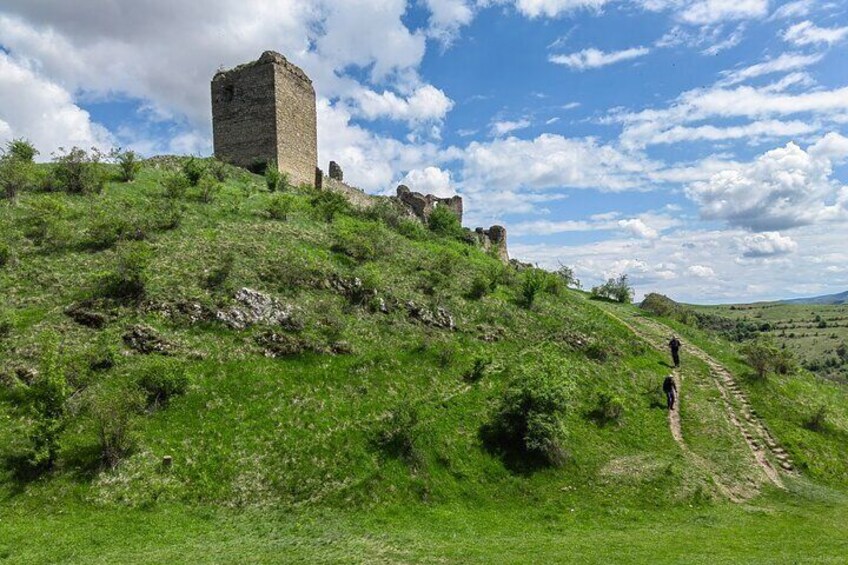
(264, 111)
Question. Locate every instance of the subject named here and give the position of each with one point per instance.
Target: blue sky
(698, 145)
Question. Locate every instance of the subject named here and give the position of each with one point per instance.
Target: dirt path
(769, 456)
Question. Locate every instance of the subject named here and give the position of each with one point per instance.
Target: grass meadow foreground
(202, 366)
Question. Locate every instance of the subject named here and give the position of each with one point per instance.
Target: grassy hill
(335, 385)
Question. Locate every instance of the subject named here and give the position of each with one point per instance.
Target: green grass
(276, 459)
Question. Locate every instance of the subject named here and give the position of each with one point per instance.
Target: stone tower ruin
(264, 111)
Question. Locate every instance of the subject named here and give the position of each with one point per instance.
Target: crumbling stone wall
(494, 240)
(264, 111)
(424, 204)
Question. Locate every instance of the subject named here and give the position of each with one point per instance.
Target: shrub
(396, 435)
(106, 231)
(167, 215)
(478, 370)
(356, 240)
(566, 275)
(42, 222)
(817, 422)
(113, 412)
(193, 170)
(617, 289)
(388, 211)
(609, 409)
(328, 205)
(526, 427)
(128, 279)
(444, 222)
(17, 171)
(274, 179)
(218, 275)
(128, 165)
(480, 286)
(280, 206)
(218, 169)
(22, 150)
(5, 254)
(412, 229)
(79, 172)
(161, 380)
(176, 185)
(533, 281)
(762, 355)
(47, 401)
(208, 188)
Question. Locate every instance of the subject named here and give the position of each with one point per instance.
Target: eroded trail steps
(770, 458)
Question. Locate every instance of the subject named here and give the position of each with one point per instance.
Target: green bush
(47, 402)
(527, 426)
(129, 278)
(328, 205)
(397, 435)
(275, 180)
(161, 380)
(5, 254)
(218, 169)
(444, 222)
(280, 206)
(176, 185)
(106, 230)
(22, 150)
(17, 170)
(193, 169)
(566, 276)
(412, 229)
(762, 356)
(477, 370)
(817, 421)
(113, 411)
(616, 289)
(533, 281)
(217, 277)
(43, 222)
(609, 409)
(480, 287)
(208, 188)
(359, 241)
(79, 172)
(128, 165)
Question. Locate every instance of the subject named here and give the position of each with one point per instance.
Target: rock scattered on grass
(255, 307)
(144, 339)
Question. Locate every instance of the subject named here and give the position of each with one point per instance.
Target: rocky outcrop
(493, 240)
(255, 307)
(436, 317)
(146, 340)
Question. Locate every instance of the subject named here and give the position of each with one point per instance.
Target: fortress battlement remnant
(263, 112)
(422, 205)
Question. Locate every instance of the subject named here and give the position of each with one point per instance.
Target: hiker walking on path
(670, 390)
(674, 345)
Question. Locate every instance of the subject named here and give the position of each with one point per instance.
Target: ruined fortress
(263, 114)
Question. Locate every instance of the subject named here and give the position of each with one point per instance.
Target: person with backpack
(670, 390)
(674, 345)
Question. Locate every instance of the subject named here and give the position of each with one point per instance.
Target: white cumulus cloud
(594, 58)
(430, 180)
(767, 244)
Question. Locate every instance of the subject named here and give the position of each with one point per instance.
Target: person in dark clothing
(674, 345)
(670, 390)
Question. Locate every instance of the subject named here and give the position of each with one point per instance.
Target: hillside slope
(339, 366)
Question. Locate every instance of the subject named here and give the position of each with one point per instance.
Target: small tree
(762, 355)
(193, 170)
(79, 172)
(17, 170)
(329, 204)
(280, 206)
(273, 177)
(533, 281)
(617, 289)
(566, 274)
(129, 278)
(128, 164)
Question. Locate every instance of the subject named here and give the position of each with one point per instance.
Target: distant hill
(841, 298)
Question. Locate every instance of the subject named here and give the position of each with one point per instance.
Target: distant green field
(813, 332)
